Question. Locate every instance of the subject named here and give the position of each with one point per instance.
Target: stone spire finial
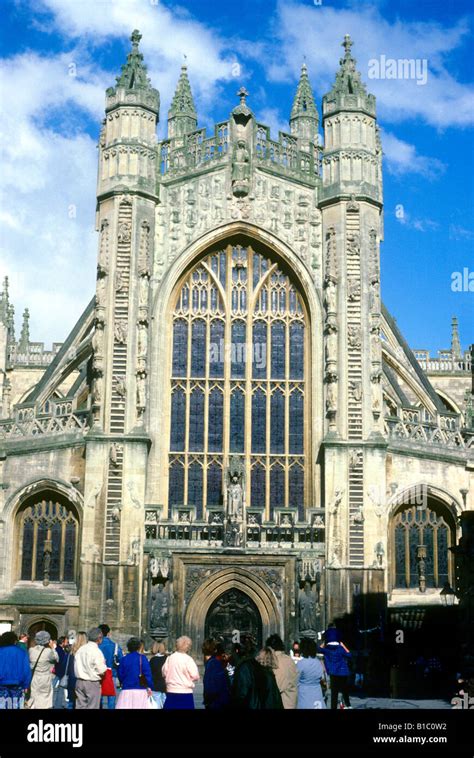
(182, 116)
(134, 71)
(304, 117)
(455, 342)
(349, 84)
(25, 332)
(304, 103)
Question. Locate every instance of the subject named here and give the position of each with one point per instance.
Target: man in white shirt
(89, 667)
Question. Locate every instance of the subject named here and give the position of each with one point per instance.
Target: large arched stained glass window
(238, 382)
(49, 534)
(428, 525)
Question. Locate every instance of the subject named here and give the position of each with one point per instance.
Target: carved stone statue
(235, 498)
(160, 608)
(241, 169)
(103, 261)
(307, 609)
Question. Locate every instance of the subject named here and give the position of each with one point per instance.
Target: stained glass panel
(178, 420)
(277, 422)
(259, 421)
(56, 552)
(70, 551)
(196, 418)
(259, 352)
(278, 350)
(198, 348)
(195, 487)
(214, 484)
(27, 556)
(296, 424)
(238, 350)
(237, 421)
(216, 420)
(176, 484)
(258, 486)
(216, 352)
(296, 486)
(296, 351)
(277, 488)
(180, 347)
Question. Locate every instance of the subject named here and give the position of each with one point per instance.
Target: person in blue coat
(216, 682)
(133, 668)
(15, 672)
(336, 659)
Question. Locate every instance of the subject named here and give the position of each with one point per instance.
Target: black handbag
(142, 678)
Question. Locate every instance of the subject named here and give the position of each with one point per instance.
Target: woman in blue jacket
(134, 667)
(336, 657)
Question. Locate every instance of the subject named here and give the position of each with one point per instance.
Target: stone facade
(89, 435)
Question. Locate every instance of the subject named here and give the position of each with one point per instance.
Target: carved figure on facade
(120, 332)
(141, 391)
(241, 169)
(331, 256)
(144, 249)
(103, 259)
(120, 386)
(354, 336)
(124, 234)
(159, 608)
(353, 289)
(101, 292)
(334, 504)
(308, 611)
(353, 244)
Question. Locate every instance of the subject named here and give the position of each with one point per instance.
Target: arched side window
(239, 384)
(422, 533)
(48, 529)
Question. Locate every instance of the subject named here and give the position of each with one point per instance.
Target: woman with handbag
(312, 677)
(80, 640)
(135, 678)
(43, 656)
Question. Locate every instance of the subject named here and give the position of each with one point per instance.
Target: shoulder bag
(28, 700)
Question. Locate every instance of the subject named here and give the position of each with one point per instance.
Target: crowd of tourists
(91, 671)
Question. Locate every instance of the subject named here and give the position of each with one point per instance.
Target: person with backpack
(336, 659)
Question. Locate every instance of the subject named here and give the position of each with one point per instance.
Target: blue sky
(58, 57)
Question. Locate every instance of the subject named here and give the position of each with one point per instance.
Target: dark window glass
(198, 348)
(429, 565)
(69, 551)
(259, 356)
(40, 539)
(215, 429)
(278, 350)
(216, 352)
(214, 484)
(195, 487)
(296, 425)
(237, 421)
(296, 351)
(196, 421)
(442, 535)
(258, 486)
(180, 347)
(277, 488)
(296, 487)
(178, 420)
(56, 552)
(414, 539)
(176, 485)
(259, 412)
(400, 552)
(27, 557)
(238, 351)
(277, 423)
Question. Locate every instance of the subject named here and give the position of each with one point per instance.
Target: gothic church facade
(235, 435)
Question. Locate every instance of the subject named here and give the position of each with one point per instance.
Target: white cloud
(418, 224)
(402, 158)
(317, 32)
(48, 244)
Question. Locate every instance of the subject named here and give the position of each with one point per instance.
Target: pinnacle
(183, 101)
(304, 103)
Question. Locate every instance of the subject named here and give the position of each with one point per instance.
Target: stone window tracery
(238, 382)
(48, 539)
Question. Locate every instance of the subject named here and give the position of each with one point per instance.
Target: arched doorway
(232, 616)
(42, 626)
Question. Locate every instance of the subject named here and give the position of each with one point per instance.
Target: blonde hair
(158, 647)
(267, 658)
(184, 644)
(80, 640)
